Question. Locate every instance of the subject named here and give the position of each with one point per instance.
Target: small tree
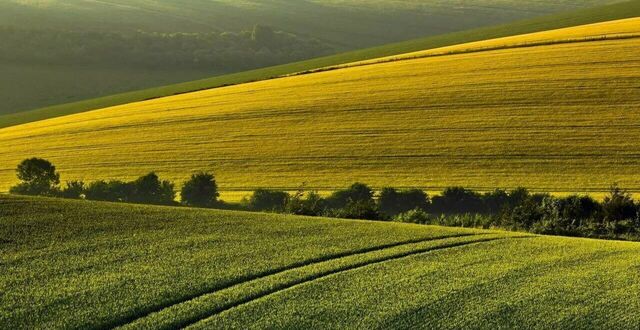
(618, 205)
(201, 190)
(38, 176)
(268, 200)
(149, 189)
(392, 202)
(357, 192)
(111, 191)
(73, 190)
(301, 203)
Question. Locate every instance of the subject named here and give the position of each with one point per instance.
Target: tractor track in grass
(197, 315)
(126, 320)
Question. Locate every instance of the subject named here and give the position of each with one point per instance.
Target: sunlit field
(75, 264)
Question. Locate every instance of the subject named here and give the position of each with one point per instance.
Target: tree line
(616, 216)
(216, 51)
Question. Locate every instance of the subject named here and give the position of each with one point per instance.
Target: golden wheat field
(557, 117)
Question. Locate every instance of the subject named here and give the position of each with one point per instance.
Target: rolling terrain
(556, 116)
(78, 264)
(67, 84)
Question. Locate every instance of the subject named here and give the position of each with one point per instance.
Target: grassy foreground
(555, 118)
(74, 264)
(599, 14)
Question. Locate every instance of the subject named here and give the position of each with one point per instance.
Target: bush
(268, 200)
(495, 201)
(201, 190)
(392, 202)
(109, 191)
(457, 200)
(73, 190)
(618, 205)
(149, 189)
(38, 176)
(358, 192)
(525, 215)
(417, 215)
(358, 210)
(309, 204)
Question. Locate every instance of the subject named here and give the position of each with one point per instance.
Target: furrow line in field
(126, 320)
(212, 304)
(311, 278)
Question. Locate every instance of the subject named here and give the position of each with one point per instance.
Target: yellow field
(561, 118)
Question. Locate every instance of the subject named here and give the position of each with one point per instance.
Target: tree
(392, 202)
(358, 210)
(268, 200)
(149, 189)
(73, 190)
(309, 204)
(618, 205)
(457, 200)
(357, 192)
(200, 191)
(38, 176)
(111, 191)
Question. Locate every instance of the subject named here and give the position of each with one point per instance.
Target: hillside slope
(46, 64)
(13, 91)
(558, 118)
(75, 264)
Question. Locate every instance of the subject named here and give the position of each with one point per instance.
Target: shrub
(618, 205)
(149, 189)
(201, 190)
(457, 200)
(417, 215)
(495, 201)
(111, 191)
(357, 192)
(359, 209)
(73, 190)
(524, 215)
(268, 200)
(38, 176)
(392, 202)
(310, 204)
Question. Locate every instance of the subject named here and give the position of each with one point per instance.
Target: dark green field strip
(205, 306)
(586, 16)
(538, 283)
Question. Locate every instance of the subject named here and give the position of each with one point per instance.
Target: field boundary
(401, 58)
(223, 300)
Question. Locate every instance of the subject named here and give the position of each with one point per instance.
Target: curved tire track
(214, 303)
(141, 314)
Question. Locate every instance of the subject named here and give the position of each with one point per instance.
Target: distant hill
(553, 111)
(51, 87)
(61, 51)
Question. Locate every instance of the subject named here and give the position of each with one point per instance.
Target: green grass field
(556, 118)
(76, 264)
(585, 16)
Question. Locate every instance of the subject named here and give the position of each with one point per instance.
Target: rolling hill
(62, 44)
(553, 111)
(76, 264)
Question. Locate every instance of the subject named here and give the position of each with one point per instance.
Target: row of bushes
(39, 177)
(617, 216)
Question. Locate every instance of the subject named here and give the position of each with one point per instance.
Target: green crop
(78, 264)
